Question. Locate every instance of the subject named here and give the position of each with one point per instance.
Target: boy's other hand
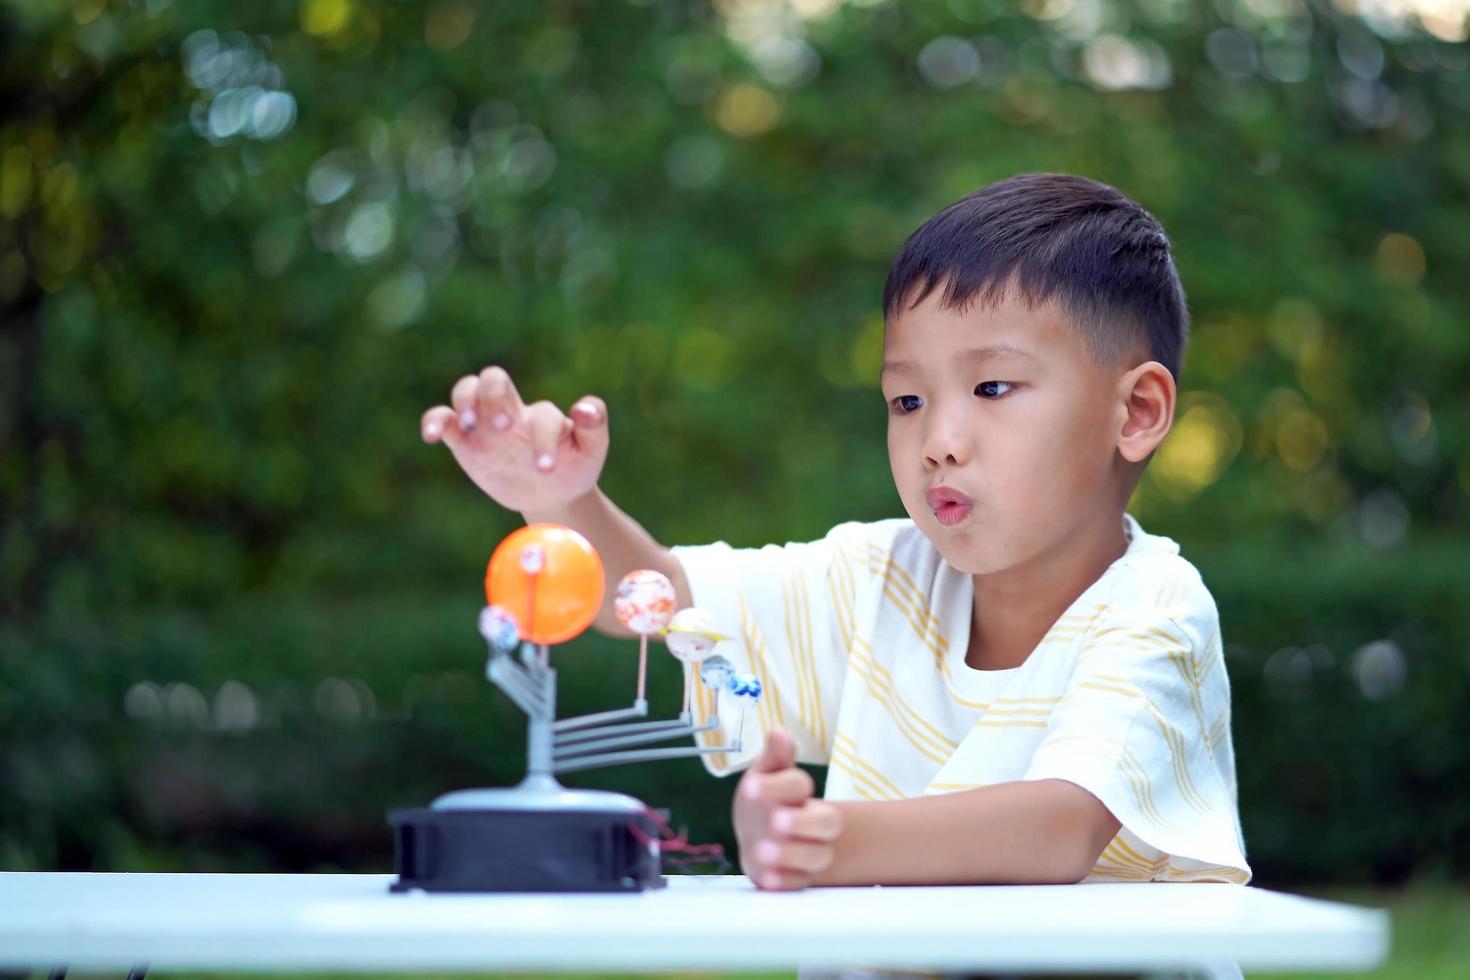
(523, 456)
(786, 836)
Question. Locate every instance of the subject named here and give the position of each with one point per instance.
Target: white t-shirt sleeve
(1144, 726)
(783, 607)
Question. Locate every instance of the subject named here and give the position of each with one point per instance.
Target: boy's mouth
(949, 505)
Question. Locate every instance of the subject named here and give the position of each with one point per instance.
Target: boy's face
(1007, 406)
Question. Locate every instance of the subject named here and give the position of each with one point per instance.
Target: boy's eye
(993, 389)
(905, 404)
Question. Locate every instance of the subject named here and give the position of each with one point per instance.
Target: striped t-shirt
(860, 642)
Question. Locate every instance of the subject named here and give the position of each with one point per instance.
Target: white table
(352, 923)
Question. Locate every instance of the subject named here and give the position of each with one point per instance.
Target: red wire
(668, 840)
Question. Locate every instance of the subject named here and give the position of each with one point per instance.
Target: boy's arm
(1046, 831)
(1032, 832)
(623, 545)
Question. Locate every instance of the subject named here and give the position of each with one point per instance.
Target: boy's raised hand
(524, 456)
(786, 836)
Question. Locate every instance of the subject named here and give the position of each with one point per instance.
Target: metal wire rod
(640, 738)
(569, 738)
(639, 710)
(643, 755)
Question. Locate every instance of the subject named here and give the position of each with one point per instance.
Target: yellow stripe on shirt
(885, 679)
(818, 710)
(794, 655)
(847, 748)
(860, 784)
(1173, 740)
(770, 705)
(902, 715)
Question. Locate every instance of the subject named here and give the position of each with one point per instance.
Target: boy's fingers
(779, 880)
(436, 423)
(817, 820)
(463, 400)
(789, 786)
(794, 855)
(548, 427)
(590, 416)
(589, 410)
(792, 785)
(779, 753)
(499, 402)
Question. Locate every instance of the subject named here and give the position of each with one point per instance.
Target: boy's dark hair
(1100, 255)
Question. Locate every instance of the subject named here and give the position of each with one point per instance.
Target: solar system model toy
(544, 586)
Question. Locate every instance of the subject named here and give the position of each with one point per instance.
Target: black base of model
(525, 850)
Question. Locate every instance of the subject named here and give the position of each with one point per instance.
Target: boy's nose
(944, 444)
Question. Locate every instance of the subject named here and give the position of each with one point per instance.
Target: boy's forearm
(1035, 832)
(623, 545)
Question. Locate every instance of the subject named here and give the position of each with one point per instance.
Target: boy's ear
(1146, 397)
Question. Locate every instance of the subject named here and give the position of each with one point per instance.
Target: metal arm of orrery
(519, 685)
(639, 710)
(636, 738)
(582, 742)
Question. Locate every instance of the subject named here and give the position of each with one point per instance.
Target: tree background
(242, 247)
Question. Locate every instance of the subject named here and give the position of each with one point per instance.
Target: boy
(1016, 683)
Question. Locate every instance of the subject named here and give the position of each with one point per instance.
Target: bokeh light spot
(398, 300)
(1382, 518)
(694, 161)
(866, 354)
(1206, 437)
(235, 708)
(1301, 439)
(323, 18)
(449, 25)
(88, 11)
(15, 180)
(1411, 428)
(1295, 328)
(1112, 62)
(1400, 258)
(143, 702)
(186, 705)
(785, 61)
(947, 62)
(814, 9)
(746, 110)
(369, 231)
(1379, 669)
(329, 180)
(338, 700)
(705, 358)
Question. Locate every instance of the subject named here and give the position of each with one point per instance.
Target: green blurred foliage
(243, 247)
